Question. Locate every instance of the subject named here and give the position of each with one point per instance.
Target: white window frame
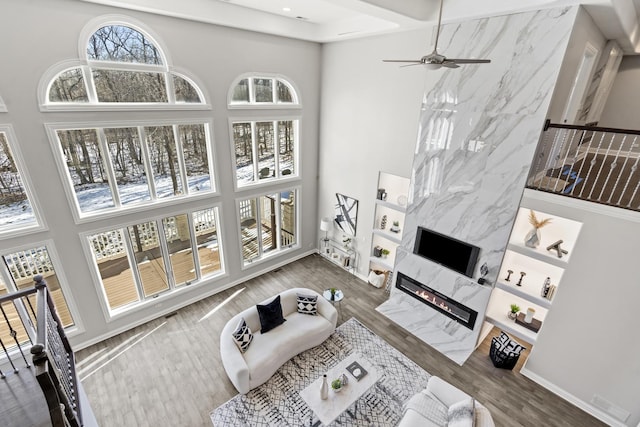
(144, 302)
(262, 258)
(86, 65)
(295, 93)
(83, 217)
(257, 183)
(40, 225)
(78, 325)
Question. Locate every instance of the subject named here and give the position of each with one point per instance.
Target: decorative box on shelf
(534, 325)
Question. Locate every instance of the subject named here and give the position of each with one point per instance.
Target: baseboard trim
(589, 409)
(170, 309)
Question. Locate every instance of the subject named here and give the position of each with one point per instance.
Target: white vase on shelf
(532, 238)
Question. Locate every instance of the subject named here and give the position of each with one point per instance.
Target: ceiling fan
(434, 60)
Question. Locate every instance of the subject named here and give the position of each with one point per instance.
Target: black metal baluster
(14, 335)
(8, 358)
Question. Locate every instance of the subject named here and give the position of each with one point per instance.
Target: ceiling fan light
(429, 66)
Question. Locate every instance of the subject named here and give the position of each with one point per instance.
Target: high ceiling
(334, 20)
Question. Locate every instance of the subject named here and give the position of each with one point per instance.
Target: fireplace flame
(432, 299)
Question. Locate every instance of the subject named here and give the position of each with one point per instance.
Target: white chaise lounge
(267, 352)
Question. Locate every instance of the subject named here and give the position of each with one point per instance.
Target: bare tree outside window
(69, 87)
(120, 43)
(284, 94)
(185, 92)
(83, 158)
(129, 86)
(243, 147)
(193, 142)
(16, 208)
(164, 160)
(263, 90)
(127, 160)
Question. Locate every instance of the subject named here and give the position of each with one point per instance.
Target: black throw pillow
(270, 315)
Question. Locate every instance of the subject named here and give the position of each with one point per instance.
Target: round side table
(338, 297)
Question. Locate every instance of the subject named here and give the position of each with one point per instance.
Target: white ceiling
(334, 20)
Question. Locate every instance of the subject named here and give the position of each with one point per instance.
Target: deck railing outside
(589, 163)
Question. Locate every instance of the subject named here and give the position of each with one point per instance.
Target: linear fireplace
(434, 299)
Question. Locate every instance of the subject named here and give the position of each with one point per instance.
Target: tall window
(140, 261)
(112, 165)
(111, 168)
(265, 149)
(268, 224)
(16, 209)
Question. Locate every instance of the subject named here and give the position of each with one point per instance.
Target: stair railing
(55, 362)
(590, 163)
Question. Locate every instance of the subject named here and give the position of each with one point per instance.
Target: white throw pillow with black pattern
(242, 335)
(308, 304)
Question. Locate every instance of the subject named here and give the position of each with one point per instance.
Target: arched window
(266, 146)
(120, 67)
(256, 90)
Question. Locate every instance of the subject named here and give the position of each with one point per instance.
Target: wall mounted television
(446, 251)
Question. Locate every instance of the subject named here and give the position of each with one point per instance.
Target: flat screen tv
(446, 251)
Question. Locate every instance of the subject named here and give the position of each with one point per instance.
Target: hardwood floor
(168, 372)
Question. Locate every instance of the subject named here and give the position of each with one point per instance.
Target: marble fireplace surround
(479, 128)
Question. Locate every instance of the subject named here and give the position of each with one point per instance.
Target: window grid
(258, 240)
(155, 235)
(260, 169)
(180, 180)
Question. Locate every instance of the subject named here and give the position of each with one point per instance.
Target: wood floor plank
(173, 376)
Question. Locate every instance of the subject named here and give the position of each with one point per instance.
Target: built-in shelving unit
(390, 203)
(538, 264)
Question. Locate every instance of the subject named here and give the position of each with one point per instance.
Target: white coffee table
(328, 410)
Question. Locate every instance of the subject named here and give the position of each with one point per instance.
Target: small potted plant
(395, 228)
(514, 311)
(333, 293)
(346, 242)
(385, 252)
(336, 385)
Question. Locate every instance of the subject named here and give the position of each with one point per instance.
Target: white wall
(39, 33)
(589, 341)
(369, 123)
(623, 104)
(584, 31)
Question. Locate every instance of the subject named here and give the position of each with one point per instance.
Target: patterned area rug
(278, 402)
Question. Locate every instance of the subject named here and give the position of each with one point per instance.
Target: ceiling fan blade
(412, 61)
(411, 65)
(469, 61)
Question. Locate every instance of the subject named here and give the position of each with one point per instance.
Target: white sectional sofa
(441, 404)
(267, 352)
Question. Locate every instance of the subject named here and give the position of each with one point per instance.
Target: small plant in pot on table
(336, 385)
(514, 311)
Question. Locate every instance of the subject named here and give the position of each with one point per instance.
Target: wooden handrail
(548, 125)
